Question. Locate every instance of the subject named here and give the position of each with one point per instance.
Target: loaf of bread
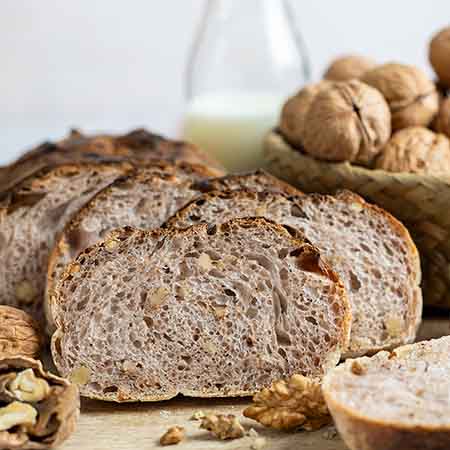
(208, 311)
(145, 199)
(371, 251)
(393, 401)
(138, 144)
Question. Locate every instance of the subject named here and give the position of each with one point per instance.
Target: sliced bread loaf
(208, 311)
(31, 213)
(393, 401)
(145, 199)
(371, 251)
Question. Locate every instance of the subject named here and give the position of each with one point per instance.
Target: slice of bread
(207, 311)
(31, 214)
(393, 401)
(145, 199)
(372, 252)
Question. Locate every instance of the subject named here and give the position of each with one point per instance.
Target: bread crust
(361, 432)
(308, 258)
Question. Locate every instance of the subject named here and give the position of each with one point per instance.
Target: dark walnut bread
(139, 145)
(31, 214)
(145, 199)
(208, 311)
(393, 401)
(370, 250)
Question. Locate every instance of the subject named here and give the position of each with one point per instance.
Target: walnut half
(292, 404)
(40, 409)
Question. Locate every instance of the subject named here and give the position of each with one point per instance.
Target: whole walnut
(349, 121)
(441, 123)
(294, 112)
(439, 55)
(348, 67)
(19, 333)
(411, 95)
(416, 150)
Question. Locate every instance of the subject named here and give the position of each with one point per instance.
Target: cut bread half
(31, 214)
(209, 311)
(372, 252)
(393, 401)
(145, 199)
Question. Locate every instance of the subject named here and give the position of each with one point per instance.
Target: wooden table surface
(104, 426)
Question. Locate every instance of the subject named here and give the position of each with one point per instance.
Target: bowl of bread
(382, 131)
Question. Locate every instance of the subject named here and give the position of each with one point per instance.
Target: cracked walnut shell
(294, 111)
(38, 410)
(416, 150)
(411, 95)
(349, 121)
(439, 55)
(348, 67)
(19, 333)
(292, 404)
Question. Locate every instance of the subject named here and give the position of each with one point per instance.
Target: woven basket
(421, 202)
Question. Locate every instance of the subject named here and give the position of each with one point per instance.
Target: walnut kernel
(17, 413)
(25, 292)
(173, 436)
(223, 426)
(159, 296)
(29, 388)
(295, 403)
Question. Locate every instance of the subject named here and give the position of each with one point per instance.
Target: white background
(117, 64)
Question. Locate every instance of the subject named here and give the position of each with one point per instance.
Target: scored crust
(393, 400)
(381, 272)
(125, 243)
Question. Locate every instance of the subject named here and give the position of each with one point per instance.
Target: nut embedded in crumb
(358, 369)
(159, 296)
(198, 415)
(394, 326)
(259, 443)
(173, 436)
(286, 405)
(80, 376)
(25, 292)
(205, 262)
(223, 426)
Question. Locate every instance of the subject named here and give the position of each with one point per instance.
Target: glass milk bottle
(247, 59)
